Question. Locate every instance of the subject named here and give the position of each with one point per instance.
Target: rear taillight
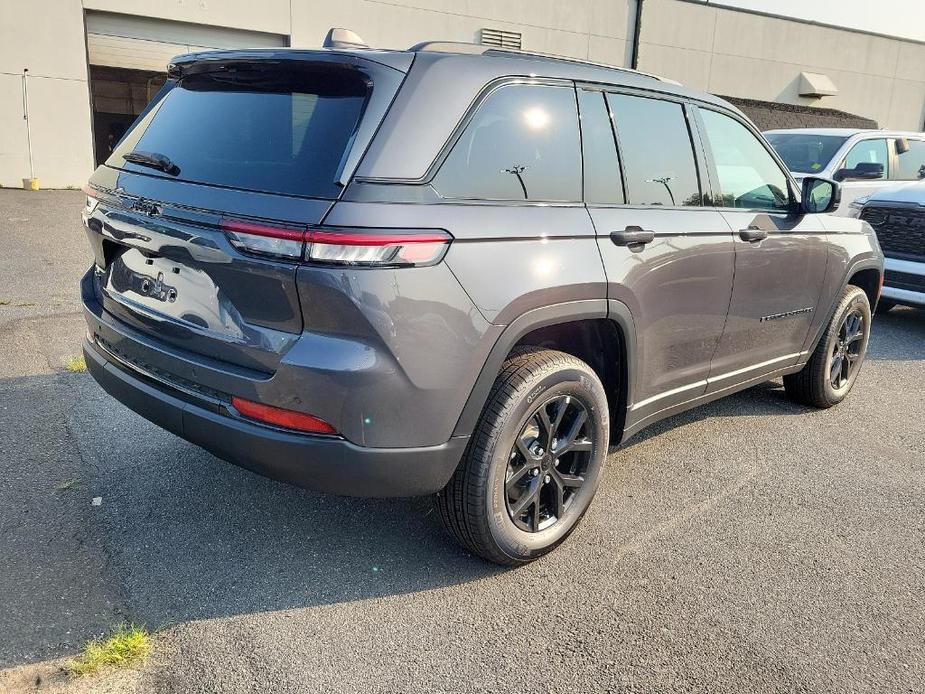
(277, 416)
(377, 247)
(334, 246)
(263, 239)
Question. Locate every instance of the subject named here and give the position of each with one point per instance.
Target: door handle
(632, 236)
(753, 234)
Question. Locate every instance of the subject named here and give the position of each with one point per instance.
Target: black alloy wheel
(547, 463)
(846, 350)
(833, 367)
(534, 460)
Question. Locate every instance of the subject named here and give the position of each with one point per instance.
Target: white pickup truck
(863, 161)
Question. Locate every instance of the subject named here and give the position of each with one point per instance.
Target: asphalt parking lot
(751, 545)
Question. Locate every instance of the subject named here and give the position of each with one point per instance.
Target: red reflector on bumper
(277, 416)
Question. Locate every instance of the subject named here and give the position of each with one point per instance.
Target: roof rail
(479, 49)
(577, 61)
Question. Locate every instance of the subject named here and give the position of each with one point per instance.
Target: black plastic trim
(326, 464)
(857, 266)
(566, 312)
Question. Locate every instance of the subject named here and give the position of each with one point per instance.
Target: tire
(885, 305)
(487, 504)
(815, 384)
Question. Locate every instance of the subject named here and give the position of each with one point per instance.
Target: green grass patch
(127, 645)
(75, 364)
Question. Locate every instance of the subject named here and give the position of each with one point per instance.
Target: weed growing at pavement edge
(125, 646)
(75, 364)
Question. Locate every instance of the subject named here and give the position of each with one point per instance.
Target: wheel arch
(868, 271)
(597, 331)
(869, 279)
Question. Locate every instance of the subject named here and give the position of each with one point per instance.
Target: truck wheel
(834, 366)
(534, 461)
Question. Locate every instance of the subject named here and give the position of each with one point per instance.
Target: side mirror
(820, 195)
(866, 170)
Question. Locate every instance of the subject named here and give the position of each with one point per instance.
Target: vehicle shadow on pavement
(898, 335)
(175, 534)
(107, 518)
(762, 400)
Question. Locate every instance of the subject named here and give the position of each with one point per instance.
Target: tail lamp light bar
(337, 246)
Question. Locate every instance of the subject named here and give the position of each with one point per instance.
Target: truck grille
(900, 230)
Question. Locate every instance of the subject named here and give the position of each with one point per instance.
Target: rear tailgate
(242, 140)
(170, 272)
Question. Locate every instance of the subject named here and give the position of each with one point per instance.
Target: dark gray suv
(456, 271)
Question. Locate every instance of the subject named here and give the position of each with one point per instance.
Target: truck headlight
(856, 205)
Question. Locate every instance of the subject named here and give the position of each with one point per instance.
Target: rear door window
(256, 128)
(602, 181)
(521, 144)
(749, 177)
(655, 145)
(911, 163)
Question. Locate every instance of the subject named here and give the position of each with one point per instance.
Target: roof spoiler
(343, 38)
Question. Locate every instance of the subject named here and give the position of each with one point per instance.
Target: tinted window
(255, 128)
(868, 152)
(912, 163)
(603, 183)
(521, 144)
(655, 145)
(749, 177)
(806, 153)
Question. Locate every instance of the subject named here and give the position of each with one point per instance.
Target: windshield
(264, 128)
(805, 152)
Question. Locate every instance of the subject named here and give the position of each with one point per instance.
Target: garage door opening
(128, 58)
(118, 96)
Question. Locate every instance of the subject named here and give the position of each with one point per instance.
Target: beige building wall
(46, 37)
(735, 53)
(720, 50)
(589, 29)
(271, 16)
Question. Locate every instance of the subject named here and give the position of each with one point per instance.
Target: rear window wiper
(154, 160)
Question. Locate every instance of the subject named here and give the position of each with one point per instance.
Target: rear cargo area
(235, 140)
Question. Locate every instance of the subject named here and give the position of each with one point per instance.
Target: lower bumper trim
(326, 464)
(902, 296)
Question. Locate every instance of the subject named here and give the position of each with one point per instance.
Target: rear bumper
(326, 464)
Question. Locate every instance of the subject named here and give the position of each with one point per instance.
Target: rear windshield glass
(806, 153)
(281, 130)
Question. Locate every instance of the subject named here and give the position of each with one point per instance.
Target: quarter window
(911, 165)
(603, 184)
(749, 177)
(521, 144)
(868, 152)
(656, 149)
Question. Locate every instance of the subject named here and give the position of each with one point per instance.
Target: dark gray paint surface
(399, 358)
